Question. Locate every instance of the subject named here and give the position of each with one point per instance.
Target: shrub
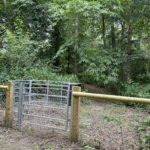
(136, 89)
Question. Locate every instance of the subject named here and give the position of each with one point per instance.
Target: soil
(14, 140)
(103, 126)
(109, 126)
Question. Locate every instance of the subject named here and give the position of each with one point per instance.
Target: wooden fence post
(9, 106)
(75, 111)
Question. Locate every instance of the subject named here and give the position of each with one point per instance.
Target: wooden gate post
(9, 105)
(75, 111)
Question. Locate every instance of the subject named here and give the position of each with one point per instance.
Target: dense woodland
(100, 42)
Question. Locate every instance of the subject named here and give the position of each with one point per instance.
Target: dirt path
(14, 140)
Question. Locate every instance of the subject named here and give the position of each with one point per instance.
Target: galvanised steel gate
(43, 104)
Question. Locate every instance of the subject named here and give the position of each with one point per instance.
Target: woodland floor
(104, 126)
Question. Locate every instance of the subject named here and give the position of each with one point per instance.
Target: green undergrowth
(136, 89)
(36, 73)
(143, 130)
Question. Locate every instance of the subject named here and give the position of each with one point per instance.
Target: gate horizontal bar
(47, 126)
(43, 106)
(50, 118)
(54, 96)
(3, 87)
(112, 97)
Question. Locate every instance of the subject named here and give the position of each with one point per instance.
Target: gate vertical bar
(75, 115)
(67, 119)
(47, 91)
(61, 93)
(30, 90)
(20, 106)
(30, 97)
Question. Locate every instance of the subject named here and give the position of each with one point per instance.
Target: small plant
(94, 144)
(45, 147)
(88, 147)
(86, 101)
(143, 131)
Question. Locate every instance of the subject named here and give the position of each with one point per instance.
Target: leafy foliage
(136, 89)
(101, 42)
(103, 66)
(19, 60)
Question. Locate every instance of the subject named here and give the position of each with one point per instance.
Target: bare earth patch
(14, 140)
(111, 126)
(104, 126)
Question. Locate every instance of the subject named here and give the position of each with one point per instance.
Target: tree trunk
(122, 36)
(122, 47)
(103, 31)
(5, 3)
(68, 61)
(129, 54)
(76, 44)
(113, 37)
(55, 44)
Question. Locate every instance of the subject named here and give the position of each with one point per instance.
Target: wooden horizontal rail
(3, 87)
(112, 97)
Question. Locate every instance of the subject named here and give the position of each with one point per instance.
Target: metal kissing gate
(44, 104)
